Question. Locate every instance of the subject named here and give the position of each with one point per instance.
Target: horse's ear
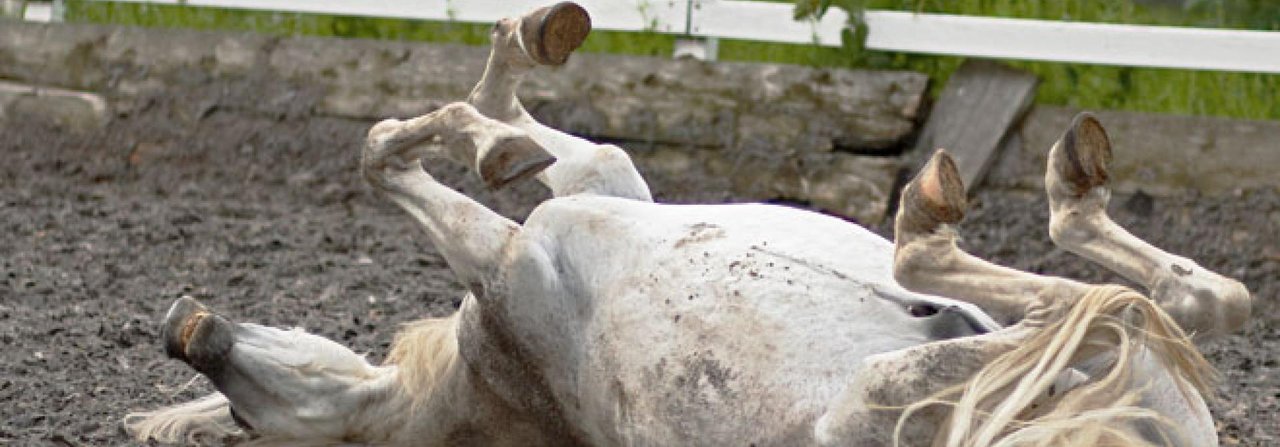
(1087, 151)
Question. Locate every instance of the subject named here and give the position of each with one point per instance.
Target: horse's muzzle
(197, 336)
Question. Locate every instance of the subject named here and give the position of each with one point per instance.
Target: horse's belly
(724, 324)
(725, 365)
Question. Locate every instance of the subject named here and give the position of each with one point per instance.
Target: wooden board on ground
(979, 105)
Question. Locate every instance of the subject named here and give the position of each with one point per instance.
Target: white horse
(606, 319)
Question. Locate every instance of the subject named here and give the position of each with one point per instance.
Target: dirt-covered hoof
(935, 196)
(195, 335)
(512, 159)
(551, 33)
(1081, 157)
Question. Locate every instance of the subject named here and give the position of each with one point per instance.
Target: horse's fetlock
(1071, 229)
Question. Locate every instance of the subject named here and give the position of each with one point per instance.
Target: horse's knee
(618, 176)
(384, 127)
(379, 144)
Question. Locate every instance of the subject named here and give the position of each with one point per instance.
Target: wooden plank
(979, 105)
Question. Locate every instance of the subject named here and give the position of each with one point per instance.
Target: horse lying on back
(607, 319)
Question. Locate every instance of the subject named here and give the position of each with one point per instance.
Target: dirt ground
(261, 215)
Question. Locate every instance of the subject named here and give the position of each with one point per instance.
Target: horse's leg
(926, 258)
(1203, 302)
(500, 154)
(472, 238)
(547, 36)
(272, 383)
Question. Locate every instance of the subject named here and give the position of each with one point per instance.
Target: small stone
(1140, 204)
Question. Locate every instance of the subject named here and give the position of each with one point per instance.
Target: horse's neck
(437, 413)
(438, 397)
(461, 409)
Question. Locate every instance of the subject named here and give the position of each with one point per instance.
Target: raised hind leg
(1203, 302)
(1070, 325)
(926, 258)
(547, 36)
(1063, 363)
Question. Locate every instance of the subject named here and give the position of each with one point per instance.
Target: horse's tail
(207, 418)
(997, 406)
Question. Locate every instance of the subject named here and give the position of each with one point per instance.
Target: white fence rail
(38, 12)
(988, 37)
(1088, 43)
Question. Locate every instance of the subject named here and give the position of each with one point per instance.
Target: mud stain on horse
(701, 368)
(699, 233)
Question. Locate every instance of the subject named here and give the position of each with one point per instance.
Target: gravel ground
(262, 216)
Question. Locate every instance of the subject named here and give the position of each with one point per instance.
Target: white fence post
(706, 48)
(700, 48)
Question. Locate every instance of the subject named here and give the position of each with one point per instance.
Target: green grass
(1239, 95)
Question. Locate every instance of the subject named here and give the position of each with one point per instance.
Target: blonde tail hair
(994, 407)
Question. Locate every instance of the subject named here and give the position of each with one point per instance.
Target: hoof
(1082, 154)
(551, 33)
(512, 159)
(936, 196)
(195, 335)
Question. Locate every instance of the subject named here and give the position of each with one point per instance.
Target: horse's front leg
(499, 154)
(1204, 303)
(546, 37)
(472, 238)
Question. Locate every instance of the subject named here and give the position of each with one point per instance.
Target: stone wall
(827, 138)
(768, 131)
(1161, 155)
